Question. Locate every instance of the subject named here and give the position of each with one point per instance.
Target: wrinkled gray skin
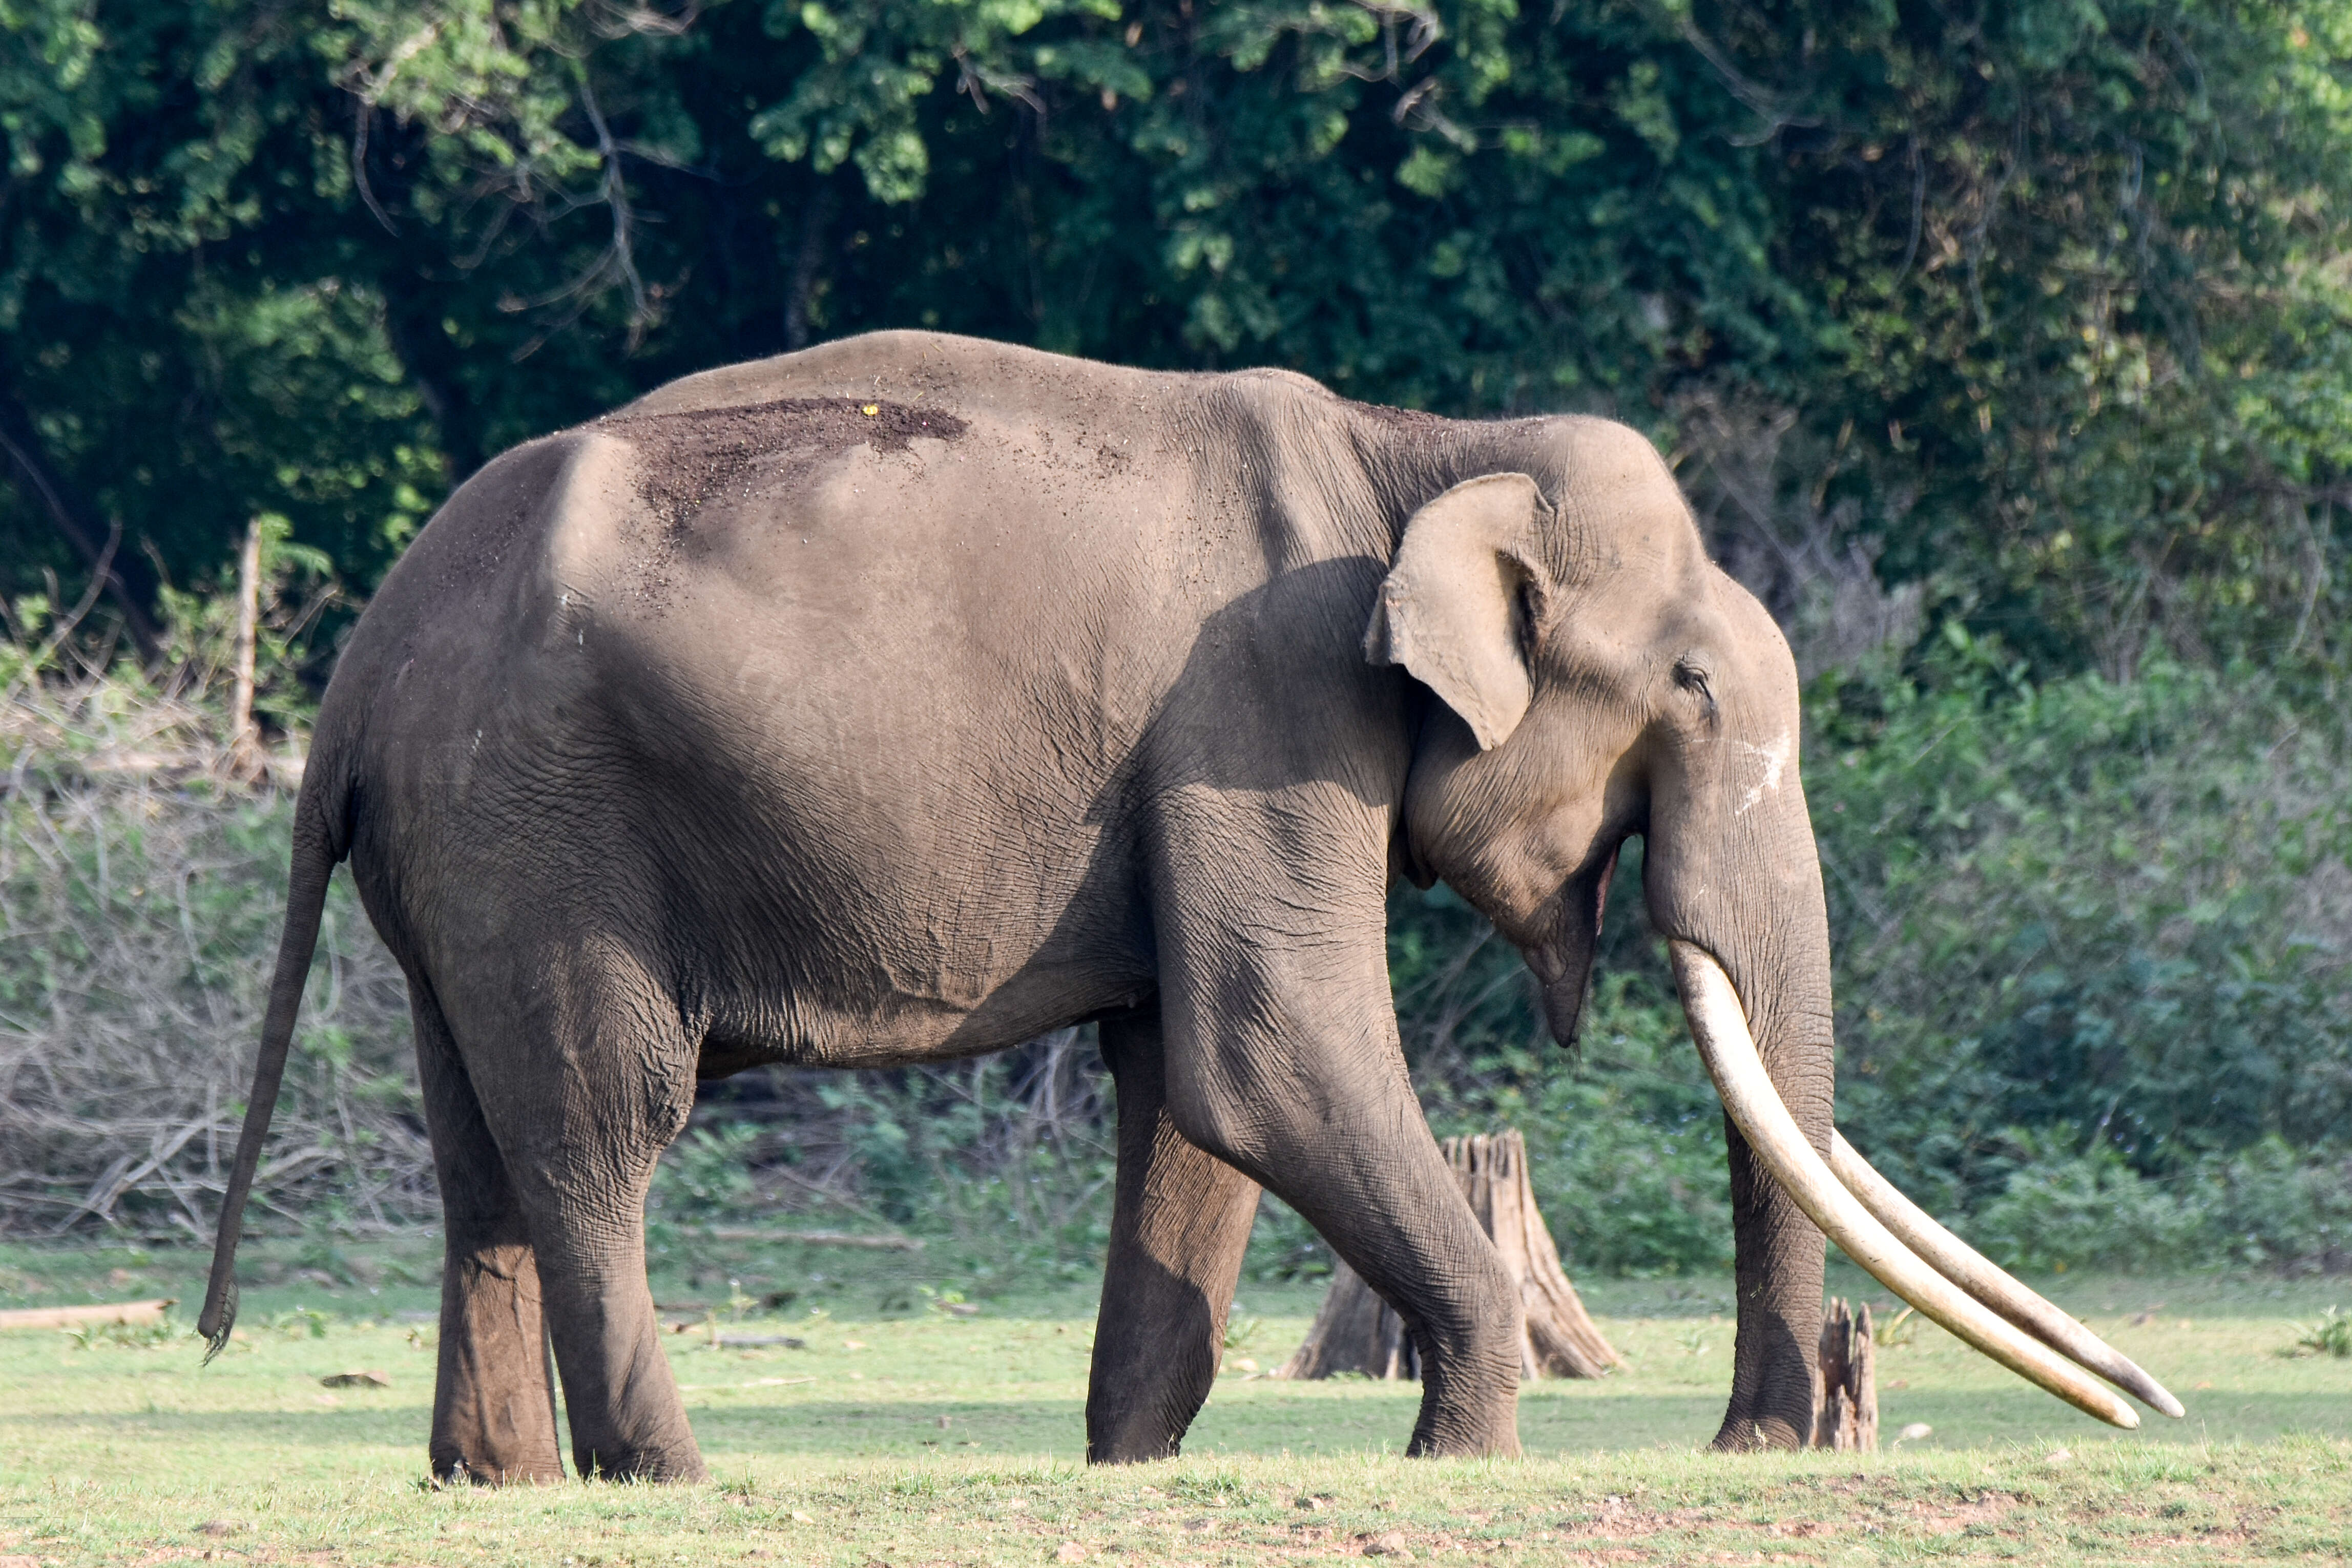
(746, 725)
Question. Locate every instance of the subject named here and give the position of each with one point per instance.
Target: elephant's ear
(1449, 610)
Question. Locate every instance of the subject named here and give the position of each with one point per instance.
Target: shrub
(2090, 931)
(2061, 1210)
(2331, 1335)
(140, 893)
(706, 1175)
(2091, 944)
(2091, 948)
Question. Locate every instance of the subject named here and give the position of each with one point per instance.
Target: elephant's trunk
(1857, 1211)
(1781, 962)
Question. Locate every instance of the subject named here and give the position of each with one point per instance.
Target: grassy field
(905, 1434)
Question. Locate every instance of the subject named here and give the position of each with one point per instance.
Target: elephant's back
(934, 370)
(729, 652)
(836, 672)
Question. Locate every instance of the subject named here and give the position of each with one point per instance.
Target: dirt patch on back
(687, 458)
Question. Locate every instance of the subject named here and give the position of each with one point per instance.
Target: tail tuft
(216, 1336)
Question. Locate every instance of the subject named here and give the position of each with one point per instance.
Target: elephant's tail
(316, 851)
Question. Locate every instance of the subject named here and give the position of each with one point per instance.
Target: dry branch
(244, 735)
(141, 885)
(130, 1314)
(811, 1238)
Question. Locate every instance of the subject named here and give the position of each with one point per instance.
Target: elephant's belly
(831, 930)
(797, 1028)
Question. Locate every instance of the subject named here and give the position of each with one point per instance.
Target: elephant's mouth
(1947, 1281)
(1562, 961)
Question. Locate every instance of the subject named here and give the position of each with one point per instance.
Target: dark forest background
(2001, 345)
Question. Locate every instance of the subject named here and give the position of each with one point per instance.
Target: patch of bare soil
(1622, 1519)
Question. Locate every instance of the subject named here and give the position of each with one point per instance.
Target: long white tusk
(1719, 1028)
(1980, 1277)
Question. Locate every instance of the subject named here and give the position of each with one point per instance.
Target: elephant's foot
(1488, 1434)
(1469, 1404)
(621, 1462)
(1134, 1446)
(1135, 1425)
(1754, 1434)
(453, 1467)
(1773, 1393)
(1498, 1440)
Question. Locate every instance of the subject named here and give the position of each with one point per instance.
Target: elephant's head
(1601, 678)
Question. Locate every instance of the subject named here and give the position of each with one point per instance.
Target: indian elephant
(905, 697)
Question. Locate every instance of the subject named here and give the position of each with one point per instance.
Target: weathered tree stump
(1847, 1414)
(1358, 1331)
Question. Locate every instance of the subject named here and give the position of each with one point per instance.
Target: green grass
(904, 1436)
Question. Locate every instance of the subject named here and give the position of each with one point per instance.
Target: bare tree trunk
(1354, 1332)
(1358, 1331)
(244, 736)
(1846, 1415)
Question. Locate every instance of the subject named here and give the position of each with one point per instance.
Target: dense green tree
(2039, 302)
(178, 348)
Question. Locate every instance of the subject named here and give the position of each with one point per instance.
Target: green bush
(2267, 1205)
(2090, 943)
(2273, 1204)
(2090, 940)
(1626, 1143)
(2087, 1211)
(706, 1175)
(2090, 932)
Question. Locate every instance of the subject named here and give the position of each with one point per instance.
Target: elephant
(904, 697)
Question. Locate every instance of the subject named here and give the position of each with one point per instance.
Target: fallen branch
(130, 1314)
(815, 1237)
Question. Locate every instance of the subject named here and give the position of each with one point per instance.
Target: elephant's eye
(1691, 675)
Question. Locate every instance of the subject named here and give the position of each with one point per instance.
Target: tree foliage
(2044, 296)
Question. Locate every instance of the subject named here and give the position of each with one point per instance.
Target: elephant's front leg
(1339, 1136)
(1283, 1061)
(1178, 1227)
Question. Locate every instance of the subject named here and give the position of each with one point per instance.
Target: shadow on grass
(1362, 1421)
(1258, 1419)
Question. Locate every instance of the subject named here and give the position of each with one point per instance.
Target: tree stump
(1358, 1331)
(1847, 1414)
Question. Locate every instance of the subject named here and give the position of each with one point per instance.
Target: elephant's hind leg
(593, 1079)
(1178, 1227)
(493, 1401)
